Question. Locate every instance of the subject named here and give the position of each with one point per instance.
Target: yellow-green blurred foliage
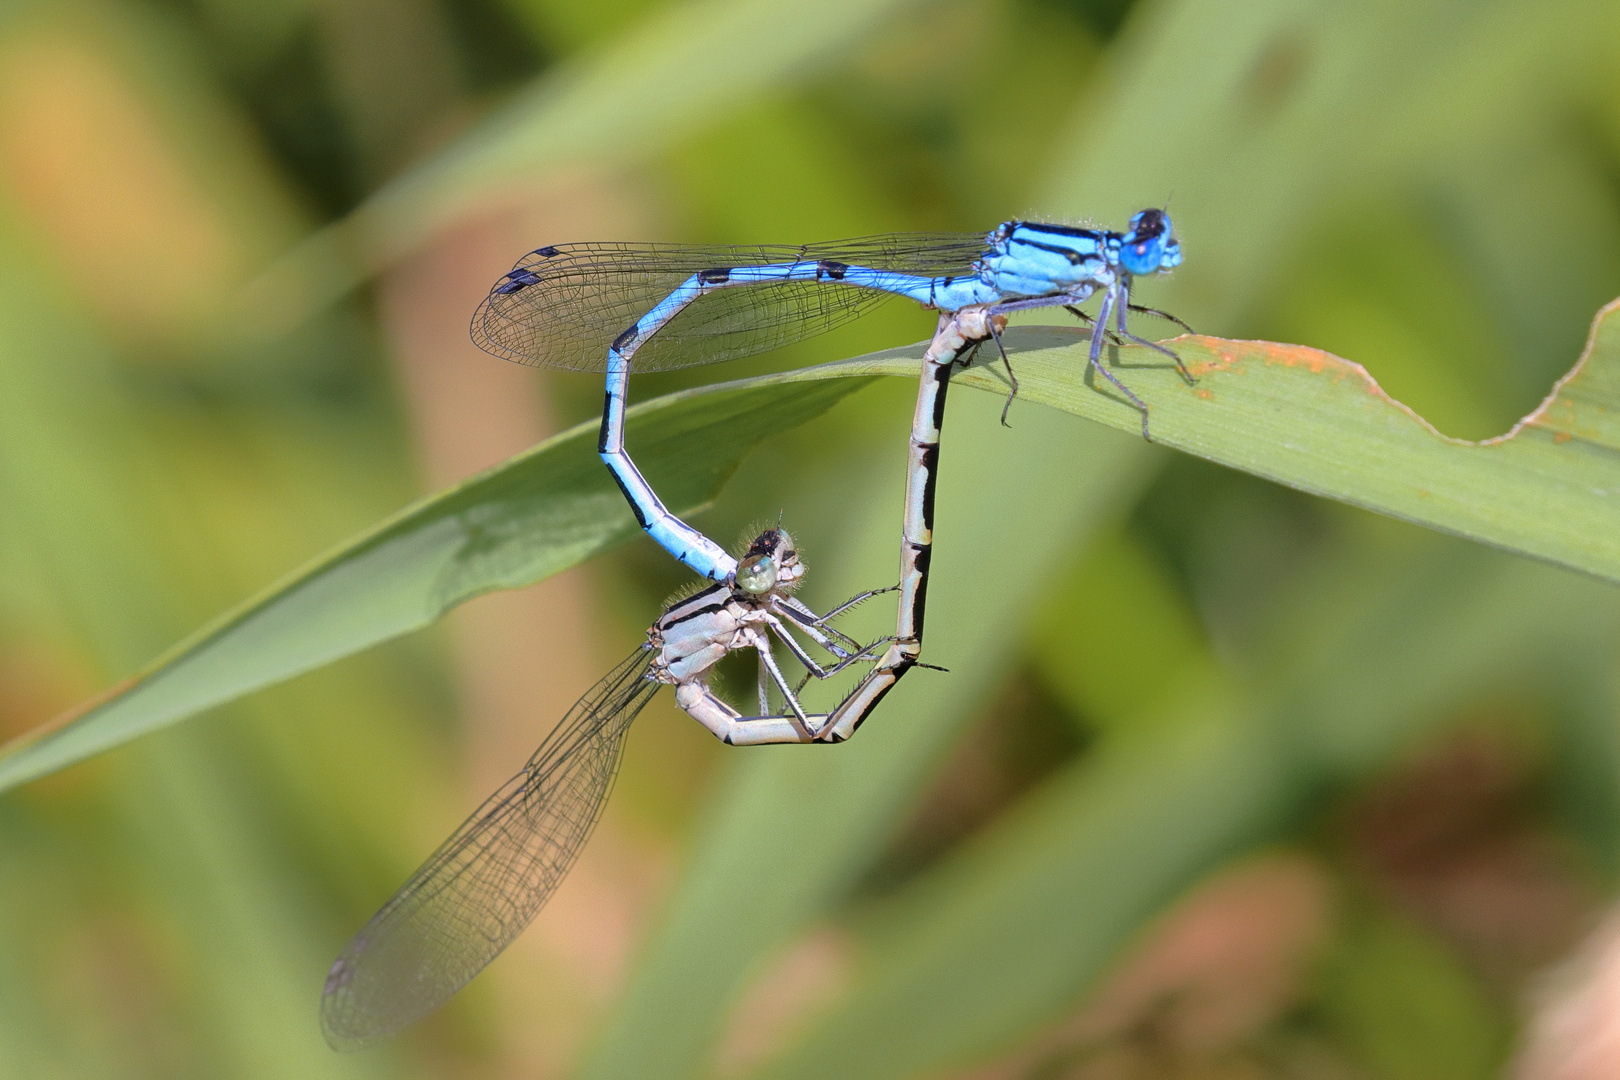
(1244, 784)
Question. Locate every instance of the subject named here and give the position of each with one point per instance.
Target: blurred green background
(1224, 782)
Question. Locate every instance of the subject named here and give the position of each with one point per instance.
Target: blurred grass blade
(538, 513)
(679, 71)
(1407, 1007)
(683, 69)
(1401, 89)
(1549, 489)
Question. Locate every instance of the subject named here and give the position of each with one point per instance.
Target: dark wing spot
(624, 339)
(516, 281)
(718, 276)
(547, 252)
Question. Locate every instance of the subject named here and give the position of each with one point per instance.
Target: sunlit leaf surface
(1549, 489)
(522, 521)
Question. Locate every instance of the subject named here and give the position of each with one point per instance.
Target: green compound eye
(757, 575)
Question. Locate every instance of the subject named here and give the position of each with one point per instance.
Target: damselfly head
(1147, 246)
(770, 563)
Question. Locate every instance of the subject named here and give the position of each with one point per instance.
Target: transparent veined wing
(474, 895)
(562, 306)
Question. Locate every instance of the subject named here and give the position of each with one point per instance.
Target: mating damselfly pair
(614, 307)
(608, 307)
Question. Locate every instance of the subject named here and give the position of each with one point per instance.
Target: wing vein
(561, 306)
(478, 891)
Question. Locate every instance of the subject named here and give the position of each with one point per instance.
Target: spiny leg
(768, 662)
(817, 628)
(860, 655)
(1161, 314)
(827, 673)
(1126, 305)
(996, 334)
(804, 658)
(823, 638)
(813, 669)
(966, 361)
(1094, 361)
(1083, 317)
(1181, 368)
(860, 598)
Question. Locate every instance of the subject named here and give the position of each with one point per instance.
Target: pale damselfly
(483, 886)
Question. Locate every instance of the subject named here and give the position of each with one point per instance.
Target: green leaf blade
(532, 516)
(1548, 489)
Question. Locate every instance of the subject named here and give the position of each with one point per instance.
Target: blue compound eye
(1142, 256)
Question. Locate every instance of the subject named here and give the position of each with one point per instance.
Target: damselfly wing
(560, 306)
(477, 892)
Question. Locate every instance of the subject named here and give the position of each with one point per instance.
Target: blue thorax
(1033, 259)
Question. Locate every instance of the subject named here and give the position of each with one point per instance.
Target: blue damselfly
(562, 305)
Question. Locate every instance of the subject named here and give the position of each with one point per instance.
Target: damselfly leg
(1124, 304)
(1165, 315)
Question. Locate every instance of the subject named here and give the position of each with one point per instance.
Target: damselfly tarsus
(560, 306)
(478, 891)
